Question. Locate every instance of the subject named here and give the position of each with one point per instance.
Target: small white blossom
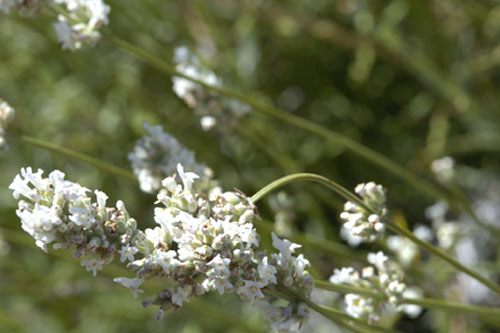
(345, 275)
(220, 266)
(127, 253)
(267, 272)
(251, 290)
(181, 295)
(378, 259)
(285, 247)
(132, 284)
(93, 265)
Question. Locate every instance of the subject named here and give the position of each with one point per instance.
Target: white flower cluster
(6, 116)
(208, 243)
(213, 109)
(358, 220)
(203, 242)
(156, 156)
(384, 277)
(406, 250)
(81, 28)
(58, 211)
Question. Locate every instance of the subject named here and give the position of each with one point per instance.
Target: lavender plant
(208, 249)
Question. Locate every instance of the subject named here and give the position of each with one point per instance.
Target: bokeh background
(412, 80)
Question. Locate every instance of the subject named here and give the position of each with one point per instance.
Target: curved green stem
(307, 177)
(428, 303)
(110, 168)
(346, 194)
(419, 183)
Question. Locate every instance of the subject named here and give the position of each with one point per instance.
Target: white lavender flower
(59, 212)
(81, 28)
(132, 284)
(385, 277)
(156, 156)
(406, 250)
(6, 116)
(208, 243)
(358, 220)
(203, 242)
(214, 111)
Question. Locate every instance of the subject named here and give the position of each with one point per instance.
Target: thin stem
(306, 177)
(419, 183)
(443, 255)
(370, 155)
(346, 194)
(345, 289)
(427, 303)
(110, 168)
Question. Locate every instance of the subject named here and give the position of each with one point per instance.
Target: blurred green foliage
(413, 80)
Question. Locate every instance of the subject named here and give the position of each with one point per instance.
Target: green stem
(345, 289)
(110, 168)
(346, 194)
(370, 155)
(428, 303)
(443, 255)
(420, 184)
(306, 177)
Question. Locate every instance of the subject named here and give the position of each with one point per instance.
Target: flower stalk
(390, 225)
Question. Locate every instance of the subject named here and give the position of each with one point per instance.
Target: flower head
(358, 220)
(384, 276)
(158, 154)
(215, 112)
